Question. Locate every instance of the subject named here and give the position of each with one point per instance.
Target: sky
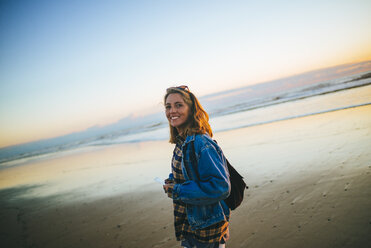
(68, 65)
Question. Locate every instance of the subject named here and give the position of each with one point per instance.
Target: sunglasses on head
(183, 87)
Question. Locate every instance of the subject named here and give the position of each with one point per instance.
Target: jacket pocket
(201, 216)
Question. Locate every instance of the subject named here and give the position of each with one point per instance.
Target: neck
(180, 131)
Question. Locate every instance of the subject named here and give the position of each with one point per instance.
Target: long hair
(198, 121)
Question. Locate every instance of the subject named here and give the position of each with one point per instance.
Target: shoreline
(298, 116)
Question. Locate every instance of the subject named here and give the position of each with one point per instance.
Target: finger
(166, 188)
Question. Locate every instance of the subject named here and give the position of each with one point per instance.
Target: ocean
(306, 94)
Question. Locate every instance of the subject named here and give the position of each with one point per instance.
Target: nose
(172, 110)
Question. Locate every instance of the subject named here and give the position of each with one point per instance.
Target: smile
(174, 117)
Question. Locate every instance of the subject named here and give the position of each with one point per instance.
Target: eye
(167, 107)
(178, 105)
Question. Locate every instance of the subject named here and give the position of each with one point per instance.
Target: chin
(176, 126)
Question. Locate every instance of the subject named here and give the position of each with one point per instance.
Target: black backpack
(238, 185)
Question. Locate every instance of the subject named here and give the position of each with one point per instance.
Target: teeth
(174, 117)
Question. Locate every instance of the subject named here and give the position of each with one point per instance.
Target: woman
(199, 181)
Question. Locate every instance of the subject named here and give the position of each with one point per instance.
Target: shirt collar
(179, 140)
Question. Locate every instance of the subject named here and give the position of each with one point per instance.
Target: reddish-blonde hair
(198, 122)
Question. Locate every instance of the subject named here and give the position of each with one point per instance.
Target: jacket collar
(190, 138)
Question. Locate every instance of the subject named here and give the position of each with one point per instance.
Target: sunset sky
(69, 65)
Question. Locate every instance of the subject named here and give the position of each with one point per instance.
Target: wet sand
(309, 178)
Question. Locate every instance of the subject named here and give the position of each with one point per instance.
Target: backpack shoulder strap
(194, 159)
(194, 162)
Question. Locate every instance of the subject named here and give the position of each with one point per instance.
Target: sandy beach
(309, 178)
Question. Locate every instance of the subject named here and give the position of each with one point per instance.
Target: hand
(168, 188)
(169, 181)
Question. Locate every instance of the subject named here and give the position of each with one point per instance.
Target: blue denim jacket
(204, 197)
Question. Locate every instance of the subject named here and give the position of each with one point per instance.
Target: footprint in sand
(346, 187)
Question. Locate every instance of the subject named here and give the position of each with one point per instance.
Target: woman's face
(177, 111)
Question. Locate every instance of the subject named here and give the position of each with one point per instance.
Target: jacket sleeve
(213, 185)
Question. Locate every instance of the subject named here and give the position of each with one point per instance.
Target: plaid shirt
(210, 234)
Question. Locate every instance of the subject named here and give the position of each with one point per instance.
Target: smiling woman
(201, 217)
